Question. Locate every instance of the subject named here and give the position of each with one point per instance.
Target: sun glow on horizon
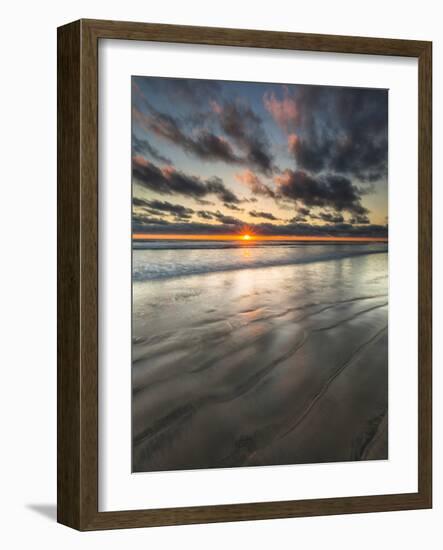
(248, 237)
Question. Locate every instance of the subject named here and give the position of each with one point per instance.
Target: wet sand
(275, 365)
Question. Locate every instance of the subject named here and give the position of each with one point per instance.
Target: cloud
(336, 138)
(292, 143)
(220, 217)
(216, 186)
(233, 207)
(303, 211)
(228, 220)
(142, 146)
(266, 215)
(329, 217)
(341, 130)
(251, 180)
(244, 127)
(209, 146)
(136, 201)
(264, 229)
(360, 219)
(299, 218)
(205, 214)
(330, 190)
(140, 222)
(176, 210)
(284, 111)
(203, 144)
(238, 122)
(191, 91)
(302, 215)
(168, 180)
(216, 107)
(203, 202)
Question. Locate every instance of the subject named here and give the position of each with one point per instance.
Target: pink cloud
(292, 143)
(255, 184)
(284, 178)
(283, 111)
(168, 171)
(139, 117)
(216, 107)
(140, 161)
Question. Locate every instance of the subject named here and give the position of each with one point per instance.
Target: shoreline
(150, 264)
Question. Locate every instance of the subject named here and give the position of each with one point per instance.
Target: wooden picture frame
(78, 274)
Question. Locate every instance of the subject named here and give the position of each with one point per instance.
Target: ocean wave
(224, 245)
(188, 262)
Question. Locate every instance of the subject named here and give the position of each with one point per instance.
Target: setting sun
(246, 237)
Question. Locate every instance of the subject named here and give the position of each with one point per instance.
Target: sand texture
(273, 365)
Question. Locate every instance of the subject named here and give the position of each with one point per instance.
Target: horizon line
(251, 237)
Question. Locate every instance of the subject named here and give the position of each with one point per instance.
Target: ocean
(164, 259)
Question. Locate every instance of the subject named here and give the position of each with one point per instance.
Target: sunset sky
(232, 158)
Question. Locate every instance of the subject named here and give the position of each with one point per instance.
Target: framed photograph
(244, 275)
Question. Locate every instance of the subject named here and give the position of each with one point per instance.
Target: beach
(258, 354)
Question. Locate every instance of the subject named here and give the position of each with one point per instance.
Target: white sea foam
(164, 259)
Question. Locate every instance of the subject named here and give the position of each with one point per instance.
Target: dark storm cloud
(166, 181)
(245, 128)
(266, 215)
(303, 211)
(209, 146)
(204, 202)
(330, 190)
(329, 217)
(206, 215)
(362, 219)
(233, 207)
(170, 181)
(341, 130)
(140, 223)
(142, 146)
(220, 217)
(237, 120)
(263, 229)
(239, 123)
(136, 201)
(203, 144)
(216, 186)
(228, 220)
(163, 206)
(299, 218)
